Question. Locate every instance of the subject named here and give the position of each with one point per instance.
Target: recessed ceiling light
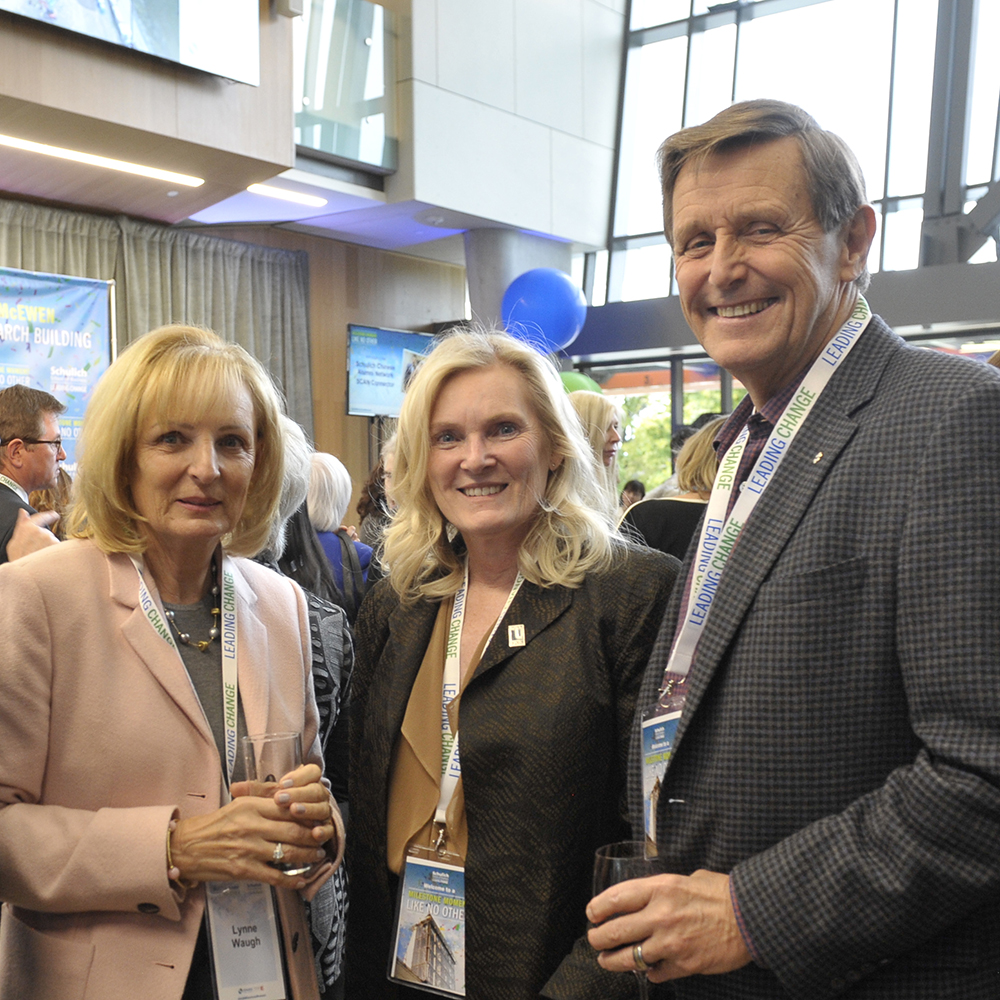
(284, 194)
(101, 161)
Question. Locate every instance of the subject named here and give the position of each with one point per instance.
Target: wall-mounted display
(188, 32)
(380, 364)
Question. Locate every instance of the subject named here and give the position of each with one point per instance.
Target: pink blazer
(101, 739)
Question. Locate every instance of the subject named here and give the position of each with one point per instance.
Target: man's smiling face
(761, 285)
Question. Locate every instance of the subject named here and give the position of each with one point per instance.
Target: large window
(862, 68)
(344, 65)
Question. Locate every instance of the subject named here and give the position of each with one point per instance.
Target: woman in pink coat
(135, 656)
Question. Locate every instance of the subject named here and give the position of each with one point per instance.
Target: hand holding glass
(269, 757)
(620, 862)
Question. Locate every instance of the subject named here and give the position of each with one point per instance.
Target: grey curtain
(254, 296)
(34, 238)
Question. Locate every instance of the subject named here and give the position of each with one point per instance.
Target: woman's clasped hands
(290, 821)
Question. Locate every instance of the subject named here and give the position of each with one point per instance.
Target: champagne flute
(620, 862)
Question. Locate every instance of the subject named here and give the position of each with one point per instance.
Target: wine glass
(620, 862)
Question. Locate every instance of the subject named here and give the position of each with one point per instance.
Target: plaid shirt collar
(761, 422)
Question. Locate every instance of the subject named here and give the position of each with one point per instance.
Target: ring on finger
(279, 852)
(641, 964)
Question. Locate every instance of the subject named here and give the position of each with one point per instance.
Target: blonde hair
(697, 461)
(571, 536)
(597, 412)
(174, 372)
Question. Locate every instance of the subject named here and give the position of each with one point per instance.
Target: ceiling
(353, 212)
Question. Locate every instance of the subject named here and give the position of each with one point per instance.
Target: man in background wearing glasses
(30, 453)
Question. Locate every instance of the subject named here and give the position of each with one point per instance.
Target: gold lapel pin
(515, 635)
(817, 457)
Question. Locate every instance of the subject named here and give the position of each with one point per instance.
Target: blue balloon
(544, 308)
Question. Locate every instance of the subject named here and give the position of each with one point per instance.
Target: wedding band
(279, 853)
(641, 964)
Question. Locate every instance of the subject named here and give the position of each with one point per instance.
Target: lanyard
(230, 678)
(451, 768)
(719, 534)
(14, 486)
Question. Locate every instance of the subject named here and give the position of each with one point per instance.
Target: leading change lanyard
(230, 671)
(10, 484)
(451, 768)
(429, 942)
(716, 541)
(243, 927)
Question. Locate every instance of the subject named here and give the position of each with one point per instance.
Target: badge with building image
(429, 950)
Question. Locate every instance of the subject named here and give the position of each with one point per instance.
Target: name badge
(659, 727)
(429, 944)
(245, 941)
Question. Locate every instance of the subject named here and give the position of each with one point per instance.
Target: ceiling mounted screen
(221, 37)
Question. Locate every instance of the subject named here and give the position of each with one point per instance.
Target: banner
(56, 335)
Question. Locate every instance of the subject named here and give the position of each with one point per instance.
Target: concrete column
(495, 257)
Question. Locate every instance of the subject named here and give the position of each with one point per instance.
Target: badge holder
(428, 950)
(659, 729)
(244, 942)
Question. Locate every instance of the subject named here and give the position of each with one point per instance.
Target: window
(345, 107)
(870, 81)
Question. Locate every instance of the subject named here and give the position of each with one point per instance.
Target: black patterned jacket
(545, 733)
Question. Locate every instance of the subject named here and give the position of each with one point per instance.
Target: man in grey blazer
(831, 805)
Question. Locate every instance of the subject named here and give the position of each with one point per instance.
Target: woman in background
(56, 500)
(376, 507)
(514, 611)
(669, 523)
(601, 422)
(332, 666)
(329, 496)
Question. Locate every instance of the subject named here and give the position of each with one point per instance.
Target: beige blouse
(415, 775)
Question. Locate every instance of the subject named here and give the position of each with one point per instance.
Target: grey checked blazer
(839, 753)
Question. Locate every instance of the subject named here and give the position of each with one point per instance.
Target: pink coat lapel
(162, 661)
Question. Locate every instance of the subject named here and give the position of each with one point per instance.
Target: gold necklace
(213, 632)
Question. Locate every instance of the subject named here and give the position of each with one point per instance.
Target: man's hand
(685, 924)
(31, 533)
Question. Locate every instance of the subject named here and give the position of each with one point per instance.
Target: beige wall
(508, 109)
(355, 284)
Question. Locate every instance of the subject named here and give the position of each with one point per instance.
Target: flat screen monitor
(221, 37)
(379, 366)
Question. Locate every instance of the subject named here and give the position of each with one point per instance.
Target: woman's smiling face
(489, 457)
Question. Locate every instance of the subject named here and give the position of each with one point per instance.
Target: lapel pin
(817, 457)
(515, 635)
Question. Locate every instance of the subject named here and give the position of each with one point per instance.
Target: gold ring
(279, 853)
(641, 964)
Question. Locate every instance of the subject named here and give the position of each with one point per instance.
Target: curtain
(35, 238)
(254, 296)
